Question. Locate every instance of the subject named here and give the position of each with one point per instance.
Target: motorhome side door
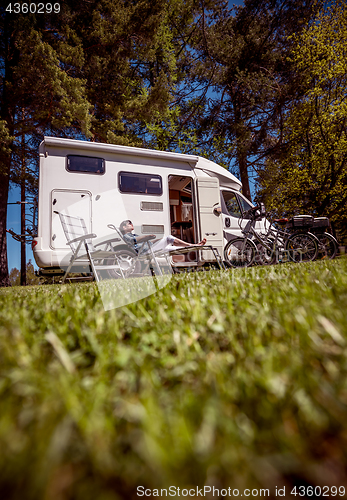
(209, 213)
(74, 203)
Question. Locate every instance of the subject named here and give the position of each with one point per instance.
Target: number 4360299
(33, 8)
(318, 491)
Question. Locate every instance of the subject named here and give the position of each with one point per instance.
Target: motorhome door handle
(210, 234)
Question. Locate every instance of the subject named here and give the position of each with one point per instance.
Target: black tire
(125, 264)
(328, 246)
(234, 255)
(302, 247)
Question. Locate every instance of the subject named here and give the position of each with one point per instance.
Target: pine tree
(37, 93)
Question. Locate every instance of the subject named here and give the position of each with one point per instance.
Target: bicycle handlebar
(255, 212)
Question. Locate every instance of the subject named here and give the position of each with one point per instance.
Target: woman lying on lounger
(167, 243)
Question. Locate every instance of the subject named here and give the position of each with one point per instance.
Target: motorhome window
(245, 205)
(85, 164)
(231, 204)
(140, 183)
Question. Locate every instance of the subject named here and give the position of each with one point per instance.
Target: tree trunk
(23, 266)
(5, 158)
(4, 186)
(243, 166)
(241, 148)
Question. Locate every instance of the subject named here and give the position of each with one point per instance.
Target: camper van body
(161, 193)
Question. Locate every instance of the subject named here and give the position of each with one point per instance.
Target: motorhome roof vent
(152, 206)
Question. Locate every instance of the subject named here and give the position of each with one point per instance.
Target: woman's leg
(180, 243)
(163, 244)
(170, 242)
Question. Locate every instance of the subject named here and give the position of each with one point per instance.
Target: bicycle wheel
(327, 248)
(264, 256)
(240, 252)
(302, 247)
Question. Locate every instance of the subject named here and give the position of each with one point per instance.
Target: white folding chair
(83, 250)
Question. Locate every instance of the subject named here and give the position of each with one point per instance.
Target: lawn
(232, 379)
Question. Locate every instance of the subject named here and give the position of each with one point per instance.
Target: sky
(13, 216)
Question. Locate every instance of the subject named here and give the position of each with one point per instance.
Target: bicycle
(271, 246)
(328, 245)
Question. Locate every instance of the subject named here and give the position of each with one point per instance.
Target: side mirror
(217, 211)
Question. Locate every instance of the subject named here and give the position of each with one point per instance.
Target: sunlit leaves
(311, 173)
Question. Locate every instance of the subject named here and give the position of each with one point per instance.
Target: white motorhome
(162, 193)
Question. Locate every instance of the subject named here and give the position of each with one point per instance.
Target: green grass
(235, 379)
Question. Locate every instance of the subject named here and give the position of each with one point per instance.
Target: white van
(161, 193)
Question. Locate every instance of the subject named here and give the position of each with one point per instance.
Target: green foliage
(311, 174)
(130, 62)
(5, 139)
(176, 130)
(31, 278)
(56, 98)
(14, 277)
(233, 378)
(167, 134)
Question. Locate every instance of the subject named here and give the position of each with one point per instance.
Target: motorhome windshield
(245, 205)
